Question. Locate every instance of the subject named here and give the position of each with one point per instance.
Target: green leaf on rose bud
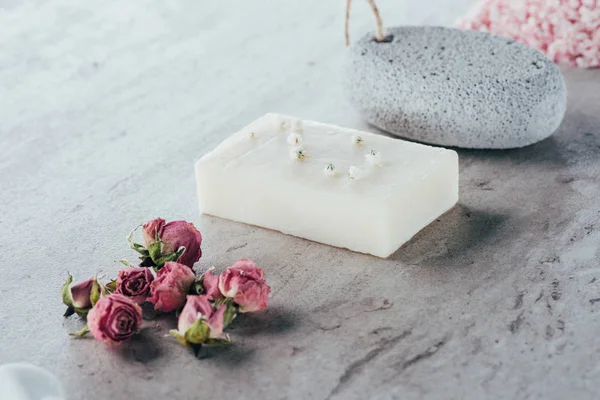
(139, 248)
(109, 288)
(126, 263)
(175, 333)
(198, 332)
(81, 333)
(179, 252)
(130, 237)
(66, 292)
(219, 341)
(144, 253)
(220, 301)
(230, 313)
(164, 258)
(154, 251)
(170, 257)
(82, 312)
(132, 244)
(95, 292)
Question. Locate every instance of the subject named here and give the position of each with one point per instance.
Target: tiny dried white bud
(330, 170)
(297, 125)
(294, 139)
(354, 172)
(357, 140)
(283, 124)
(373, 157)
(297, 154)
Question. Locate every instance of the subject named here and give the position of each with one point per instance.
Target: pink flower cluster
(243, 282)
(166, 279)
(567, 31)
(240, 288)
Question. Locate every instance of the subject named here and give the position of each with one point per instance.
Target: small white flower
(373, 157)
(330, 170)
(283, 124)
(357, 140)
(297, 154)
(294, 139)
(355, 172)
(297, 125)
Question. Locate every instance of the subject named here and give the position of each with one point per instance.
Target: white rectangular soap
(277, 173)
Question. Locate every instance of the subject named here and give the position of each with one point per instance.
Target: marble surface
(106, 106)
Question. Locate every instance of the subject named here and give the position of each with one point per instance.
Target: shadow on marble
(144, 347)
(577, 136)
(461, 232)
(230, 356)
(271, 322)
(548, 151)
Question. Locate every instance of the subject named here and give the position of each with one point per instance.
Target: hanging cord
(378, 35)
(347, 25)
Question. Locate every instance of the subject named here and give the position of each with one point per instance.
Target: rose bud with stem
(80, 298)
(168, 241)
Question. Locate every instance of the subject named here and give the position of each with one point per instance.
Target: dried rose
(114, 319)
(199, 322)
(151, 230)
(210, 283)
(244, 283)
(172, 283)
(173, 241)
(134, 283)
(80, 298)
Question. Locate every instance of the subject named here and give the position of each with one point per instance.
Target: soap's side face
(251, 177)
(455, 88)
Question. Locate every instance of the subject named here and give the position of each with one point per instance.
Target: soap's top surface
(331, 158)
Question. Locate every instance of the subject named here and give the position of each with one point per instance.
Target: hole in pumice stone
(386, 39)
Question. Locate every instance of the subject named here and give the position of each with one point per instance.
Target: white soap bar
(338, 186)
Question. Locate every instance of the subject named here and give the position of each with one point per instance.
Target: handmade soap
(333, 185)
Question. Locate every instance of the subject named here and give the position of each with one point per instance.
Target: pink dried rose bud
(210, 283)
(244, 283)
(114, 319)
(199, 322)
(170, 287)
(173, 241)
(81, 297)
(152, 230)
(135, 283)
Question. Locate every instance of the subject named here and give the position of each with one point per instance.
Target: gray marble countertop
(103, 110)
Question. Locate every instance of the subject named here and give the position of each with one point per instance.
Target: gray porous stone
(453, 87)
